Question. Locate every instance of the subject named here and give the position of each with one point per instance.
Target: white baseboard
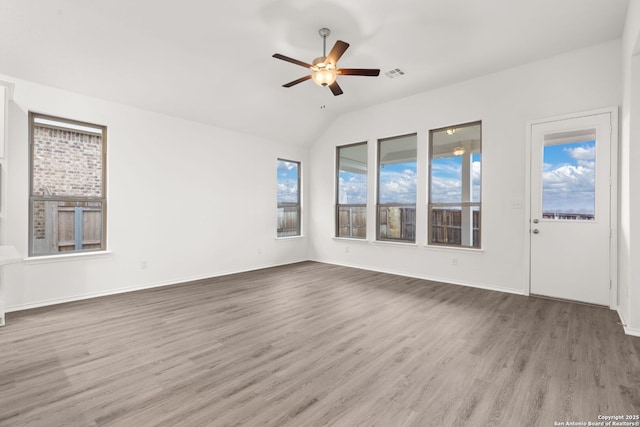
(632, 331)
(45, 303)
(431, 278)
(627, 330)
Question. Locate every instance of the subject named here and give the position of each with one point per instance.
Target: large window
(351, 204)
(67, 201)
(397, 166)
(454, 185)
(288, 198)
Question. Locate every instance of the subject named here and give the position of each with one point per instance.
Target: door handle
(535, 221)
(535, 231)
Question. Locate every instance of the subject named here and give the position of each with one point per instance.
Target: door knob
(535, 221)
(535, 231)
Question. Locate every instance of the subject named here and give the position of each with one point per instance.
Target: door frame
(613, 200)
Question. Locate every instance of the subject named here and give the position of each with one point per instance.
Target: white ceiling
(210, 61)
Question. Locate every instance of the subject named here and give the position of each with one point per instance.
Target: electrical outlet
(454, 261)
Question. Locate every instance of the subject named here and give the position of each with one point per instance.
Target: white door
(570, 208)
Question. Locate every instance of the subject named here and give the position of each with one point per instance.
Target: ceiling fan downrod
(324, 33)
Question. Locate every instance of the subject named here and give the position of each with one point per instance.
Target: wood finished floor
(311, 345)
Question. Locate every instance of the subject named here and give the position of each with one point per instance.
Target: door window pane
(568, 179)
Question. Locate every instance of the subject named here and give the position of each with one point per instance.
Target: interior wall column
(467, 188)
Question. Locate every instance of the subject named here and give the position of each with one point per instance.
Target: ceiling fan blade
(337, 51)
(335, 88)
(293, 61)
(358, 72)
(295, 82)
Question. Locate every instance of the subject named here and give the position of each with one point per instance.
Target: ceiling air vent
(394, 73)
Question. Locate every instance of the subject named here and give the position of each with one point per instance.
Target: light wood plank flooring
(312, 344)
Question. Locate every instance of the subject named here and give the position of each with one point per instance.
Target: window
(396, 208)
(288, 198)
(67, 201)
(351, 204)
(568, 179)
(454, 190)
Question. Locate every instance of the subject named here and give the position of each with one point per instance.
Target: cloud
(570, 187)
(446, 190)
(398, 187)
(568, 178)
(444, 167)
(476, 176)
(585, 152)
(283, 165)
(476, 169)
(353, 189)
(287, 191)
(446, 187)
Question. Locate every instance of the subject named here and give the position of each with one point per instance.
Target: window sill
(350, 239)
(454, 249)
(67, 257)
(290, 237)
(394, 243)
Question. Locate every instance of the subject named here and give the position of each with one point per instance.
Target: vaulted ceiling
(210, 61)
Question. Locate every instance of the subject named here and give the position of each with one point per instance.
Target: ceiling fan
(325, 68)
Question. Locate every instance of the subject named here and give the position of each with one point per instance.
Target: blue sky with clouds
(568, 178)
(446, 179)
(352, 188)
(287, 181)
(398, 183)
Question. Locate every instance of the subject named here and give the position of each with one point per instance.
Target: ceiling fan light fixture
(324, 76)
(458, 151)
(324, 73)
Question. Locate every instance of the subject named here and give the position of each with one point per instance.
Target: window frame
(33, 116)
(297, 205)
(462, 204)
(339, 205)
(398, 205)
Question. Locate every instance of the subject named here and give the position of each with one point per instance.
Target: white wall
(578, 81)
(629, 234)
(189, 200)
(171, 180)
